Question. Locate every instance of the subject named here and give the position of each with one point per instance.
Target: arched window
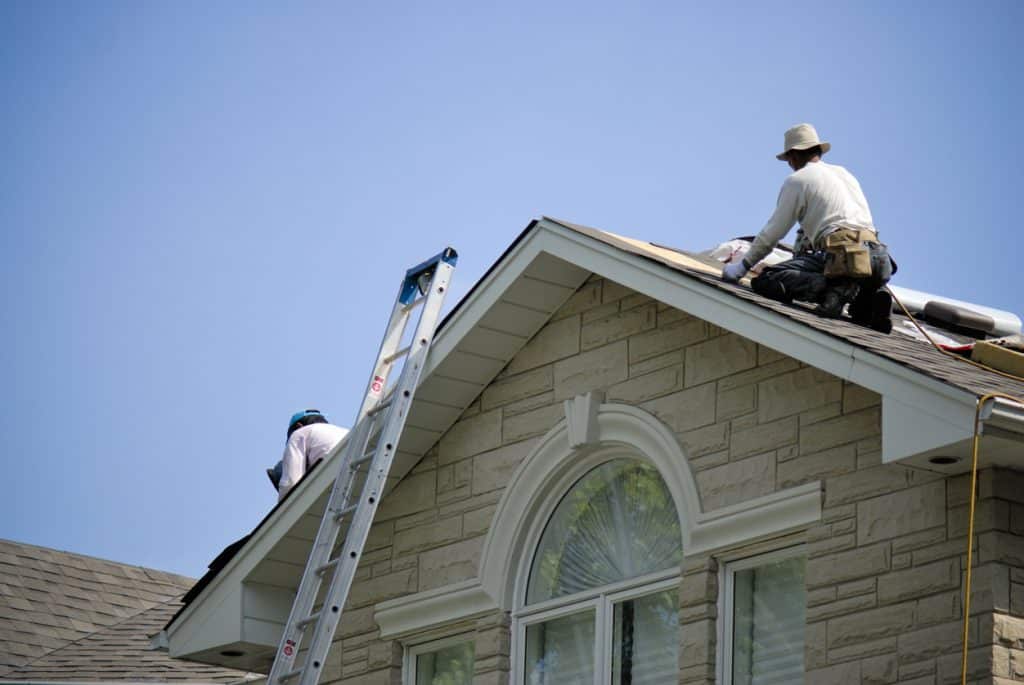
(601, 595)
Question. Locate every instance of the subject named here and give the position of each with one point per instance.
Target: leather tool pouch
(847, 254)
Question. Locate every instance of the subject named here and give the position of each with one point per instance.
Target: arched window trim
(573, 444)
(612, 430)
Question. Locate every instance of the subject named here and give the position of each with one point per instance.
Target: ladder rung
(289, 675)
(379, 408)
(395, 355)
(415, 303)
(344, 512)
(368, 456)
(312, 618)
(329, 564)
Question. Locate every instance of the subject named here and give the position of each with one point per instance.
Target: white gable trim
(747, 319)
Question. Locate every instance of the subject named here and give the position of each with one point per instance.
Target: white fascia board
(462, 321)
(230, 578)
(747, 319)
(839, 358)
(914, 403)
(218, 623)
(479, 302)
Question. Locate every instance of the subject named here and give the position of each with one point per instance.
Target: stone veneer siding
(884, 564)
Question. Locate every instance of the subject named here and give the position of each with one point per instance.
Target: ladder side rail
(387, 445)
(327, 533)
(377, 384)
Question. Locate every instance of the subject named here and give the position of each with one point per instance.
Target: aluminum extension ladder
(356, 493)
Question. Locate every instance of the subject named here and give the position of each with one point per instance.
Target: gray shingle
(67, 616)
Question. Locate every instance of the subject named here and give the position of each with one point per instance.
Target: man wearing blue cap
(310, 439)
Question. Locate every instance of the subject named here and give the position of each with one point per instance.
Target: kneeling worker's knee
(771, 288)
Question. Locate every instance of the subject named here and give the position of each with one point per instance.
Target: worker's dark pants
(803, 278)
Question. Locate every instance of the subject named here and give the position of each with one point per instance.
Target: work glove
(734, 271)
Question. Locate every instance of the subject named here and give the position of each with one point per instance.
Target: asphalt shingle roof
(71, 617)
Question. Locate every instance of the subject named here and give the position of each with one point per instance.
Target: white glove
(734, 271)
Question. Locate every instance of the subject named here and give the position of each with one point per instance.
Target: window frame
(602, 599)
(726, 601)
(412, 651)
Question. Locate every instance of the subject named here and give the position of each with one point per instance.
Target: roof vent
(959, 319)
(1005, 323)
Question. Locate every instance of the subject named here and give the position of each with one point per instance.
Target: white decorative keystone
(581, 419)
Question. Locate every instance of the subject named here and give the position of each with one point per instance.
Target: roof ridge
(112, 626)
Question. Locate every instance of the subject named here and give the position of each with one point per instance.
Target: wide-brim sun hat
(802, 137)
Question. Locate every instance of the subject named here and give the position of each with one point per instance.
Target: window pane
(561, 651)
(645, 644)
(768, 623)
(617, 522)
(447, 666)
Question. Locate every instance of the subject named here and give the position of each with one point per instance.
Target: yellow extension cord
(974, 473)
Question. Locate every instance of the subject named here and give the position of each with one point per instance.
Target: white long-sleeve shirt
(305, 447)
(818, 196)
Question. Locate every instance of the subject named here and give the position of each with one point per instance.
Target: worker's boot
(837, 296)
(873, 310)
(881, 312)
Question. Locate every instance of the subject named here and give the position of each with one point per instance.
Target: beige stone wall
(884, 564)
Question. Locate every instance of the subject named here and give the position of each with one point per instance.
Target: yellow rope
(974, 473)
(970, 522)
(947, 352)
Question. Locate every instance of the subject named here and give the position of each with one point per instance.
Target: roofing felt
(70, 617)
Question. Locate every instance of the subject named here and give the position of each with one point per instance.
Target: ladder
(357, 490)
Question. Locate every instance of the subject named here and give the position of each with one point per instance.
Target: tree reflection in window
(617, 522)
(452, 665)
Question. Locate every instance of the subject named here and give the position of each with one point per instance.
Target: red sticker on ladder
(377, 385)
(288, 647)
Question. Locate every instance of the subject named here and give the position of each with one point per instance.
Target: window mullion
(725, 620)
(602, 648)
(518, 675)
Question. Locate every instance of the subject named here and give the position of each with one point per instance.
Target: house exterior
(68, 617)
(620, 469)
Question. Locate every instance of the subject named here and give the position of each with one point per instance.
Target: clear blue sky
(205, 207)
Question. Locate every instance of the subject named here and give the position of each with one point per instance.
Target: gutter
(1005, 417)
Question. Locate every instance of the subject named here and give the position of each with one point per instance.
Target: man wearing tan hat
(838, 258)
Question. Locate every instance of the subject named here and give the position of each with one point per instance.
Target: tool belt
(848, 252)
